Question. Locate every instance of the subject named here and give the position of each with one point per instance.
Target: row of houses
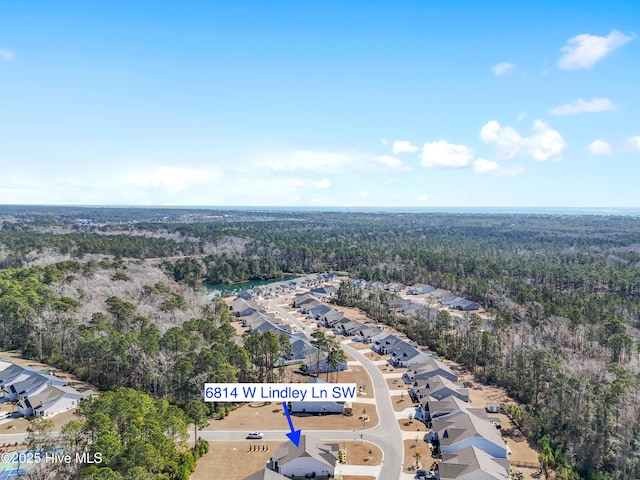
(467, 441)
(312, 458)
(37, 392)
(275, 289)
(443, 297)
(256, 319)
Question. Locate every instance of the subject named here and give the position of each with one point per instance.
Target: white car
(255, 436)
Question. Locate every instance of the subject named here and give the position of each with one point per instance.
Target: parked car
(255, 436)
(424, 474)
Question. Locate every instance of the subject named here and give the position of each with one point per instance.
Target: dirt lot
(396, 384)
(411, 447)
(234, 459)
(358, 452)
(359, 375)
(412, 425)
(353, 477)
(360, 346)
(400, 402)
(270, 416)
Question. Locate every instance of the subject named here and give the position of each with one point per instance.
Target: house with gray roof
(32, 385)
(471, 463)
(311, 458)
(51, 401)
(466, 430)
(408, 355)
(428, 369)
(438, 388)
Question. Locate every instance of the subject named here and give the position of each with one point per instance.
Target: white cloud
(506, 139)
(423, 198)
(584, 51)
(172, 179)
(634, 142)
(444, 154)
(483, 166)
(402, 146)
(384, 142)
(392, 162)
(7, 55)
(486, 167)
(544, 144)
(324, 183)
(580, 106)
(364, 193)
(502, 68)
(599, 147)
(522, 116)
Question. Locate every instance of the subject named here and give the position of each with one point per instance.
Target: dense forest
(563, 292)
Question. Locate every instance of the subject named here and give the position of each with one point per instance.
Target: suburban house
(241, 307)
(438, 388)
(331, 318)
(326, 291)
(464, 304)
(51, 401)
(467, 430)
(431, 408)
(406, 356)
(346, 327)
(420, 289)
(311, 458)
(301, 348)
(302, 298)
(365, 333)
(471, 463)
(430, 368)
(32, 385)
(386, 345)
(317, 311)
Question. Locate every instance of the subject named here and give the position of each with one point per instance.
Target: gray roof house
(471, 463)
(51, 401)
(467, 430)
(311, 457)
(407, 356)
(439, 388)
(241, 307)
(34, 384)
(427, 369)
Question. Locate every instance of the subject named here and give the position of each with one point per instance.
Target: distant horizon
(603, 211)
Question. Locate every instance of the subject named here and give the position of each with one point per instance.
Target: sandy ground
(401, 403)
(270, 416)
(358, 452)
(397, 385)
(237, 460)
(412, 425)
(233, 460)
(354, 477)
(410, 448)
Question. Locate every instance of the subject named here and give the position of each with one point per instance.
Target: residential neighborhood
(463, 439)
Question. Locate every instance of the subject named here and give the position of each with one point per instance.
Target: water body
(224, 290)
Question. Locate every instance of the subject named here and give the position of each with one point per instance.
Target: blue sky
(320, 103)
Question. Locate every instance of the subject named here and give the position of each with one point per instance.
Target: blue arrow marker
(294, 436)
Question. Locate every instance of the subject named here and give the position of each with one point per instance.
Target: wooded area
(563, 293)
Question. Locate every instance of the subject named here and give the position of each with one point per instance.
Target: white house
(51, 401)
(311, 457)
